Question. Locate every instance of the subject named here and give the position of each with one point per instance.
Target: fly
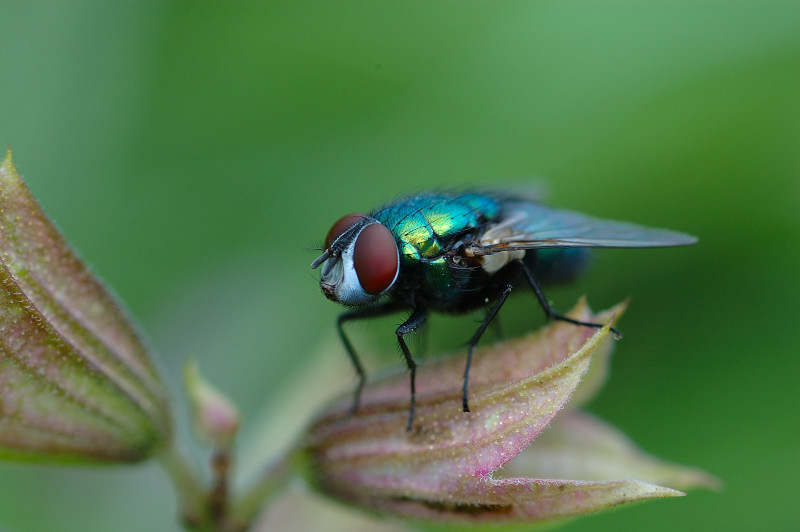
(455, 252)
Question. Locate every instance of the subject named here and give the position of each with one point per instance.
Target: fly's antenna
(322, 258)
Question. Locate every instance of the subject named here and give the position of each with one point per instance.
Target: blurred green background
(195, 152)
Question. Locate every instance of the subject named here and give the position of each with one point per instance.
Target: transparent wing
(528, 225)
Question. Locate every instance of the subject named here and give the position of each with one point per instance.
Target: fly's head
(360, 261)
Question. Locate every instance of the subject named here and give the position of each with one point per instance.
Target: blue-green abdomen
(559, 265)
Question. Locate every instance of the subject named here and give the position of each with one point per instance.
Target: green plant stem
(217, 498)
(188, 487)
(247, 507)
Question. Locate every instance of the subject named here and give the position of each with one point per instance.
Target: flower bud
(448, 470)
(216, 418)
(76, 380)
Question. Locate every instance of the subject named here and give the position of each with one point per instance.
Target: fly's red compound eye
(375, 259)
(343, 224)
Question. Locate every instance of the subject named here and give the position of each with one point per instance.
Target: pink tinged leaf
(578, 445)
(595, 378)
(444, 469)
(76, 381)
(520, 500)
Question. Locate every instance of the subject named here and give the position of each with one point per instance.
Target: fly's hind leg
(549, 311)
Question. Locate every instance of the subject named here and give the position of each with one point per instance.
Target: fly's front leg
(414, 322)
(355, 314)
(362, 375)
(549, 311)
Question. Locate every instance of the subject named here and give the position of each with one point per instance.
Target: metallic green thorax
(424, 225)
